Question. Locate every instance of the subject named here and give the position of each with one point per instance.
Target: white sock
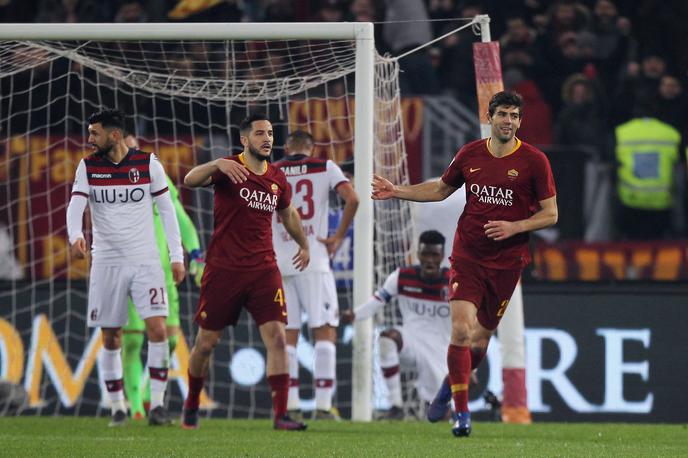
(158, 364)
(111, 366)
(324, 363)
(293, 402)
(389, 362)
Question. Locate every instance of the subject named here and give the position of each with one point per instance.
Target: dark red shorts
(225, 292)
(489, 289)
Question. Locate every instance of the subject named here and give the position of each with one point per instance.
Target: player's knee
(112, 340)
(395, 336)
(461, 333)
(206, 344)
(278, 341)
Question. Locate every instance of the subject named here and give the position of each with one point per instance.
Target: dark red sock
(279, 385)
(477, 356)
(195, 388)
(459, 364)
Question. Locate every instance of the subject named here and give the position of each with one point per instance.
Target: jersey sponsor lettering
(260, 200)
(120, 197)
(507, 188)
(242, 237)
(422, 302)
(494, 195)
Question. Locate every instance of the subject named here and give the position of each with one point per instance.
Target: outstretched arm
(430, 191)
(545, 217)
(292, 223)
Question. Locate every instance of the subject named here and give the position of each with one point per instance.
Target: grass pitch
(90, 437)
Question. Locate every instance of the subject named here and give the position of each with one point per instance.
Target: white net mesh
(186, 99)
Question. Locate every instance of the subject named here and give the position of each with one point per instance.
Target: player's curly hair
(431, 237)
(109, 118)
(505, 99)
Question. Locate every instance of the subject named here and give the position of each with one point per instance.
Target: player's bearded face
(430, 257)
(100, 140)
(260, 140)
(505, 122)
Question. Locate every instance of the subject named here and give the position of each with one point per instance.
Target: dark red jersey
(242, 238)
(497, 189)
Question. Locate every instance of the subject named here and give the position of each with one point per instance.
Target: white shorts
(312, 293)
(427, 355)
(111, 286)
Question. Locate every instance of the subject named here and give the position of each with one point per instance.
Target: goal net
(186, 98)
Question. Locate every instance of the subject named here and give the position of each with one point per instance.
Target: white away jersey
(422, 303)
(120, 197)
(310, 180)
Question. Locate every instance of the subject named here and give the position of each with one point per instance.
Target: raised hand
(236, 172)
(382, 188)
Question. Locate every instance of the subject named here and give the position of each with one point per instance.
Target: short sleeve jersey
(507, 188)
(120, 197)
(422, 302)
(242, 238)
(310, 180)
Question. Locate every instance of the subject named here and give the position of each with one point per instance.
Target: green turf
(88, 437)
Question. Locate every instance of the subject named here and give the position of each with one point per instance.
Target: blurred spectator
(71, 11)
(518, 48)
(457, 71)
(613, 43)
(406, 27)
(647, 151)
(672, 105)
(539, 131)
(640, 86)
(131, 11)
(582, 120)
(330, 11)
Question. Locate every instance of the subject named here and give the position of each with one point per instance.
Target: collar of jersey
(243, 162)
(124, 160)
(516, 147)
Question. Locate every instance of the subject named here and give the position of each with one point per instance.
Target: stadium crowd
(584, 68)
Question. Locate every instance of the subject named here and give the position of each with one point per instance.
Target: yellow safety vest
(647, 150)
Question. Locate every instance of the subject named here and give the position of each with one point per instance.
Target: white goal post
(364, 139)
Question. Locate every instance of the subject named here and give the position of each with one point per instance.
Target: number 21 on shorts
(279, 298)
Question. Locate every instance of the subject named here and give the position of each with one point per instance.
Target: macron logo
(101, 175)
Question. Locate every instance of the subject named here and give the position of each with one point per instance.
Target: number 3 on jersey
(279, 298)
(304, 190)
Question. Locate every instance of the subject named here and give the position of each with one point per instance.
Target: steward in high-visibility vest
(646, 151)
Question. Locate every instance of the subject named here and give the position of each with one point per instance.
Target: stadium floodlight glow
(185, 84)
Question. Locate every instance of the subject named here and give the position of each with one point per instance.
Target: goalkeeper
(132, 336)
